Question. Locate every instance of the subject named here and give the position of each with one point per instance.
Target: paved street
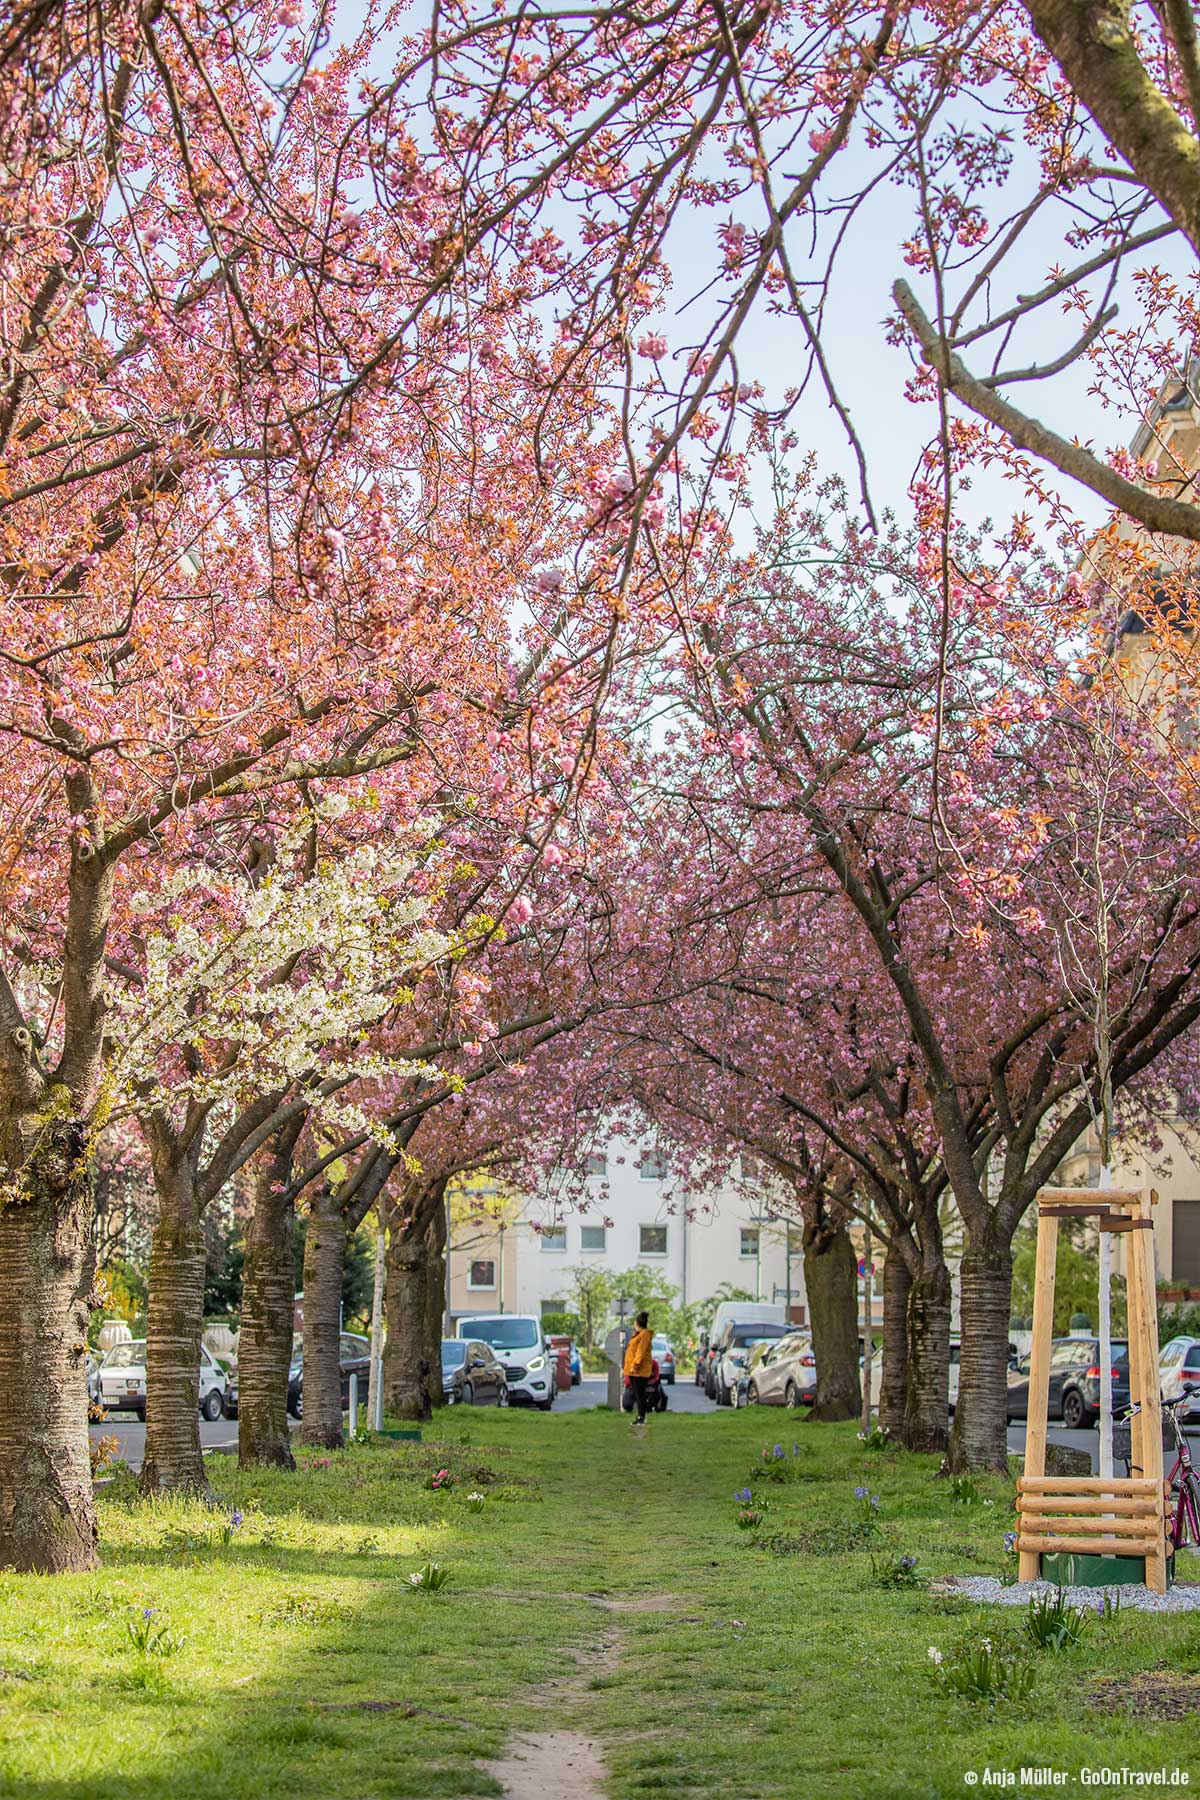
(685, 1396)
(221, 1434)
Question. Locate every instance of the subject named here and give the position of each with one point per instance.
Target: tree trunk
(979, 1439)
(47, 1521)
(173, 1461)
(926, 1404)
(268, 1305)
(435, 1302)
(897, 1280)
(324, 1260)
(406, 1367)
(831, 1282)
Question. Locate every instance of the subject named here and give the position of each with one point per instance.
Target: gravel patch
(991, 1592)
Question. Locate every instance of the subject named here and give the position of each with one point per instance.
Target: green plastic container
(1068, 1569)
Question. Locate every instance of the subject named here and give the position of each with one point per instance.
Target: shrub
(896, 1571)
(776, 1465)
(430, 1579)
(1052, 1624)
(982, 1671)
(150, 1639)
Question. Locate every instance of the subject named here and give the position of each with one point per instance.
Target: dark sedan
(472, 1374)
(355, 1353)
(1074, 1384)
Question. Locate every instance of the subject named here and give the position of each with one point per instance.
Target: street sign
(865, 1268)
(614, 1345)
(624, 1306)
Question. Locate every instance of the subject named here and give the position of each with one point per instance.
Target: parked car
(354, 1356)
(1074, 1384)
(783, 1372)
(520, 1344)
(1179, 1369)
(472, 1374)
(733, 1353)
(123, 1380)
(663, 1350)
(576, 1364)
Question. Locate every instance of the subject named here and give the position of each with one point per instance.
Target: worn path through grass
(603, 1590)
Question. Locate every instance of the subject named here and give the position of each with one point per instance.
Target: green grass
(304, 1666)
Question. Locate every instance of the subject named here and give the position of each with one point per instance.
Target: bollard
(353, 1431)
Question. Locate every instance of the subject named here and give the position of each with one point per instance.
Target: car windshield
(126, 1356)
(755, 1334)
(454, 1353)
(506, 1334)
(660, 1344)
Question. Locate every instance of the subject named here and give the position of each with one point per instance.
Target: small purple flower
(1010, 1541)
(148, 1612)
(795, 1449)
(908, 1562)
(874, 1499)
(744, 1494)
(778, 1451)
(860, 1493)
(235, 1519)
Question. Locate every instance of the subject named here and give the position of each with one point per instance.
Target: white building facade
(637, 1214)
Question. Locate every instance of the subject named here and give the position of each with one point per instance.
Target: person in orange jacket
(639, 1363)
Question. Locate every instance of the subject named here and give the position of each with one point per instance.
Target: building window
(1185, 1248)
(596, 1162)
(748, 1241)
(653, 1240)
(592, 1237)
(652, 1165)
(481, 1274)
(550, 1307)
(554, 1238)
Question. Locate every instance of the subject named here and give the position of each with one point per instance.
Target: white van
(519, 1343)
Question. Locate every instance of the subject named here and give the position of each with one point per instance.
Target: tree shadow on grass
(397, 1695)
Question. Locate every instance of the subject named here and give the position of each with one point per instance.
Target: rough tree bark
(268, 1303)
(897, 1280)
(979, 1439)
(831, 1282)
(406, 1364)
(435, 1302)
(173, 1461)
(926, 1407)
(324, 1260)
(47, 1521)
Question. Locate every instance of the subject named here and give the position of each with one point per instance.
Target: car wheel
(468, 1394)
(752, 1395)
(545, 1405)
(211, 1406)
(1076, 1416)
(661, 1404)
(791, 1395)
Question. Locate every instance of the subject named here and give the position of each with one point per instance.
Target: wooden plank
(1039, 1366)
(1141, 1253)
(1047, 1522)
(1144, 1506)
(1086, 1546)
(1083, 1197)
(1087, 1484)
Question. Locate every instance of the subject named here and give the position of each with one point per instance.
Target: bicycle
(1184, 1481)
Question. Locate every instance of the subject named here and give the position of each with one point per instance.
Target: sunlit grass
(774, 1663)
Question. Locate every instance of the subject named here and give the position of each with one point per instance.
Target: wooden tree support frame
(1091, 1515)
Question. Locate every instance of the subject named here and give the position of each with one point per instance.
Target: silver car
(785, 1373)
